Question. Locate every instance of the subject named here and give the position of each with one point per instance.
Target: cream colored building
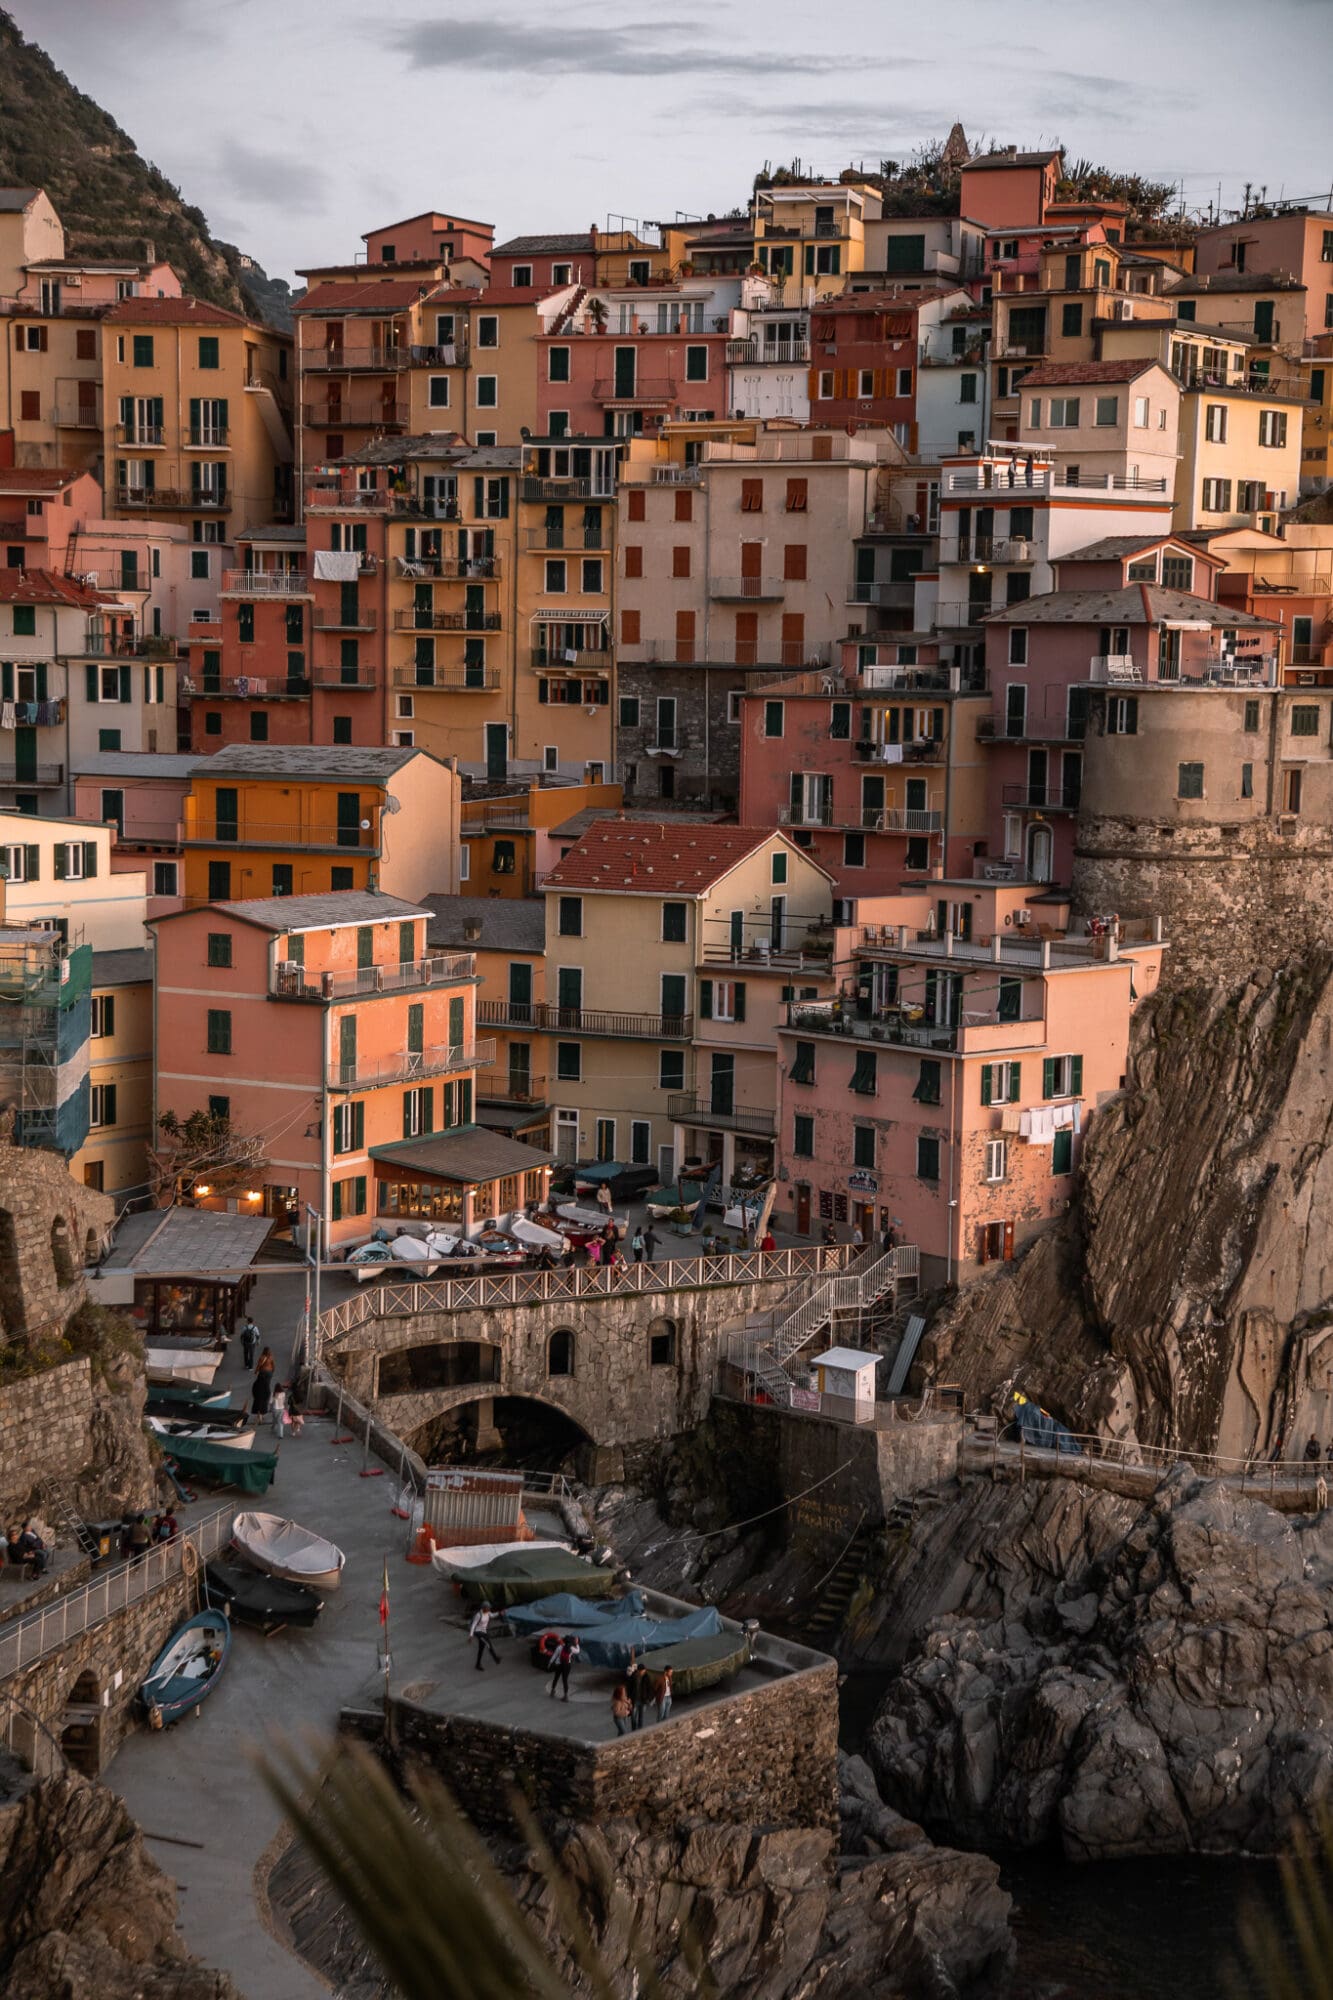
(1105, 423)
(120, 1074)
(1240, 456)
(58, 871)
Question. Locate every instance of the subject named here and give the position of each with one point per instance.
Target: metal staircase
(843, 1302)
(56, 1507)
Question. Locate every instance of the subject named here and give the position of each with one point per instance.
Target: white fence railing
(27, 1640)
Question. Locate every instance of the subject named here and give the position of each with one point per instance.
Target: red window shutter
(680, 561)
(747, 638)
(793, 638)
(793, 562)
(30, 406)
(798, 495)
(629, 628)
(1008, 1241)
(638, 508)
(684, 635)
(633, 559)
(752, 496)
(684, 506)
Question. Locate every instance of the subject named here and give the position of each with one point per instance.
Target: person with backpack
(565, 1657)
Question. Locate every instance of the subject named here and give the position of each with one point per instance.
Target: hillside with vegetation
(109, 197)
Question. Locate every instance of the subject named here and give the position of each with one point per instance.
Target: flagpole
(386, 1655)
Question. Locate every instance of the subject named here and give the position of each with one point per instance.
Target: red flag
(384, 1595)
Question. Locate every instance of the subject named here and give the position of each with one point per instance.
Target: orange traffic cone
(424, 1547)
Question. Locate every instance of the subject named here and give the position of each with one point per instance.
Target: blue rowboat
(187, 1669)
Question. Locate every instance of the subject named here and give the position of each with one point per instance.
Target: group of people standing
(558, 1653)
(640, 1690)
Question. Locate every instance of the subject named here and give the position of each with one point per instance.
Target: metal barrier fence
(1258, 1475)
(30, 1639)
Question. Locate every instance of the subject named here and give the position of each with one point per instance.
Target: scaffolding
(45, 1023)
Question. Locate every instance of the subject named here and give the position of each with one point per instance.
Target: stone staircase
(829, 1611)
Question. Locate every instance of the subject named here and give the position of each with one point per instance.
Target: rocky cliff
(85, 1913)
(1188, 1298)
(1156, 1688)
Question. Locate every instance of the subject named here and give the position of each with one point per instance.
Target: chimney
(472, 930)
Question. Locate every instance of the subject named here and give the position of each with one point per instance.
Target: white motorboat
(222, 1434)
(458, 1561)
(182, 1364)
(284, 1548)
(533, 1236)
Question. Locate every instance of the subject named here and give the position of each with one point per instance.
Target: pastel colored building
(58, 871)
(113, 1158)
(1295, 241)
(511, 829)
(326, 1025)
(621, 361)
(1107, 422)
(140, 795)
(1288, 580)
(507, 937)
(865, 349)
(304, 819)
(945, 1093)
(1009, 188)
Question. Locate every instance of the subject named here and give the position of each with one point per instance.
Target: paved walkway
(199, 1780)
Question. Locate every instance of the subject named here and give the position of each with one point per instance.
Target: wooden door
(802, 1208)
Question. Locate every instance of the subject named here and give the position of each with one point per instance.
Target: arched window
(661, 1343)
(560, 1352)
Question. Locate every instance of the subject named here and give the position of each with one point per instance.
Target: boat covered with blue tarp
(609, 1632)
(1040, 1431)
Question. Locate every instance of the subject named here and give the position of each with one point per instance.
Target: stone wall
(50, 1226)
(707, 770)
(765, 1758)
(45, 1432)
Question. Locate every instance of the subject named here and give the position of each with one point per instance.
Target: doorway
(567, 1137)
(802, 1208)
(81, 1726)
(1041, 853)
(497, 749)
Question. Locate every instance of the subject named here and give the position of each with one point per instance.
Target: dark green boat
(523, 1575)
(700, 1663)
(251, 1469)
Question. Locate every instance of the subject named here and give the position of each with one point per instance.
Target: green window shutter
(359, 1190)
(108, 1014)
(161, 684)
(126, 691)
(705, 999)
(428, 1108)
(7, 681)
(738, 1010)
(89, 859)
(407, 1114)
(986, 1088)
(358, 1126)
(32, 863)
(195, 419)
(41, 680)
(1075, 1076)
(416, 1032)
(89, 682)
(1048, 1076)
(60, 854)
(479, 498)
(456, 1023)
(809, 260)
(108, 1103)
(127, 413)
(147, 684)
(1015, 1082)
(337, 1201)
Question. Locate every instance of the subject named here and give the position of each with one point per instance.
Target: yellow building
(507, 937)
(1317, 424)
(515, 829)
(265, 820)
(196, 416)
(113, 1158)
(655, 935)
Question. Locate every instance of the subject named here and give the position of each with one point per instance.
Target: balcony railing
(753, 352)
(1043, 798)
(646, 389)
(244, 832)
(354, 416)
(77, 417)
(1031, 729)
(438, 1060)
(955, 615)
(584, 1021)
(140, 435)
(447, 354)
(247, 687)
(571, 537)
(556, 659)
(345, 677)
(1031, 349)
(899, 592)
(37, 776)
(328, 619)
(202, 436)
(511, 1087)
(171, 499)
(354, 360)
(566, 489)
(290, 981)
(265, 583)
(129, 646)
(750, 589)
(869, 750)
(448, 569)
(414, 620)
(893, 679)
(457, 680)
(331, 496)
(996, 548)
(688, 1108)
(677, 475)
(901, 819)
(1217, 670)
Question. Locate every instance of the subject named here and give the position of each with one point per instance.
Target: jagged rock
(85, 1912)
(1176, 1693)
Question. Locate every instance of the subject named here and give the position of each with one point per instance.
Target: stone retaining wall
(45, 1431)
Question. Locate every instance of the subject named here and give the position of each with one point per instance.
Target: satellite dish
(391, 804)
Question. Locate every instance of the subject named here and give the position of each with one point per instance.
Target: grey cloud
(562, 49)
(250, 173)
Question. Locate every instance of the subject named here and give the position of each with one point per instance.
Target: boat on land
(233, 1459)
(187, 1669)
(522, 1575)
(182, 1365)
(700, 1663)
(190, 1400)
(252, 1597)
(178, 1430)
(285, 1549)
(614, 1631)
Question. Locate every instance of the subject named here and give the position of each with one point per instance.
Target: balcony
(208, 437)
(582, 1021)
(573, 538)
(456, 680)
(141, 436)
(511, 1087)
(894, 679)
(868, 750)
(355, 360)
(751, 353)
(901, 819)
(330, 496)
(442, 354)
(646, 389)
(344, 677)
(377, 415)
(776, 657)
(173, 499)
(1044, 798)
(558, 660)
(362, 619)
(264, 583)
(129, 646)
(748, 589)
(997, 729)
(565, 489)
(677, 475)
(37, 777)
(955, 615)
(995, 549)
(206, 831)
(900, 593)
(1238, 670)
(447, 621)
(1032, 349)
(448, 569)
(440, 1059)
(290, 981)
(688, 1108)
(248, 687)
(77, 417)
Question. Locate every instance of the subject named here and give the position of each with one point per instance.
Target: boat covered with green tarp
(700, 1663)
(221, 1464)
(525, 1574)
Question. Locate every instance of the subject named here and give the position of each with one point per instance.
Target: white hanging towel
(1063, 1115)
(337, 565)
(891, 753)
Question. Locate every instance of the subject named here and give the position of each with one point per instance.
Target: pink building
(141, 794)
(624, 361)
(945, 1093)
(430, 238)
(42, 509)
(1130, 610)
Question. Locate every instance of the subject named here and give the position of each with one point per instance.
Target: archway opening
(501, 1431)
(62, 1252)
(81, 1725)
(560, 1352)
(440, 1364)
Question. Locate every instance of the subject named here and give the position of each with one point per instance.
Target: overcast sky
(296, 125)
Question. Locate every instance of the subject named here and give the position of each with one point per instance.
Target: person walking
(249, 1341)
(622, 1708)
(638, 1246)
(650, 1242)
(1312, 1449)
(480, 1630)
(639, 1691)
(261, 1389)
(664, 1694)
(564, 1659)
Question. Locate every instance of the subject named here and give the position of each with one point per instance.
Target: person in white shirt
(480, 1630)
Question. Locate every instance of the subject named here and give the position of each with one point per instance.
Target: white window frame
(464, 861)
(555, 577)
(1273, 429)
(1064, 413)
(16, 863)
(479, 400)
(108, 677)
(1006, 1082)
(405, 739)
(724, 999)
(997, 1160)
(406, 708)
(1013, 835)
(904, 381)
(865, 379)
(522, 276)
(97, 1030)
(1215, 423)
(1101, 422)
(73, 860)
(562, 274)
(96, 1108)
(174, 890)
(587, 589)
(735, 696)
(550, 756)
(825, 387)
(1141, 413)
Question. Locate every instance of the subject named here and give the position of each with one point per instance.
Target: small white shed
(848, 1373)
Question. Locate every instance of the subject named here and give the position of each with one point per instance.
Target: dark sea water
(1115, 1930)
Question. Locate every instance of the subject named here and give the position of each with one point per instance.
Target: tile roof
(1111, 548)
(1134, 604)
(391, 450)
(172, 312)
(42, 586)
(306, 760)
(508, 923)
(1055, 372)
(440, 215)
(542, 246)
(38, 478)
(986, 161)
(579, 822)
(470, 1156)
(131, 966)
(181, 1241)
(321, 912)
(14, 200)
(655, 857)
(378, 295)
(1236, 281)
(133, 764)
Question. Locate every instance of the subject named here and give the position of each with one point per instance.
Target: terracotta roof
(41, 586)
(431, 215)
(172, 312)
(379, 295)
(543, 246)
(1055, 372)
(38, 478)
(655, 858)
(516, 295)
